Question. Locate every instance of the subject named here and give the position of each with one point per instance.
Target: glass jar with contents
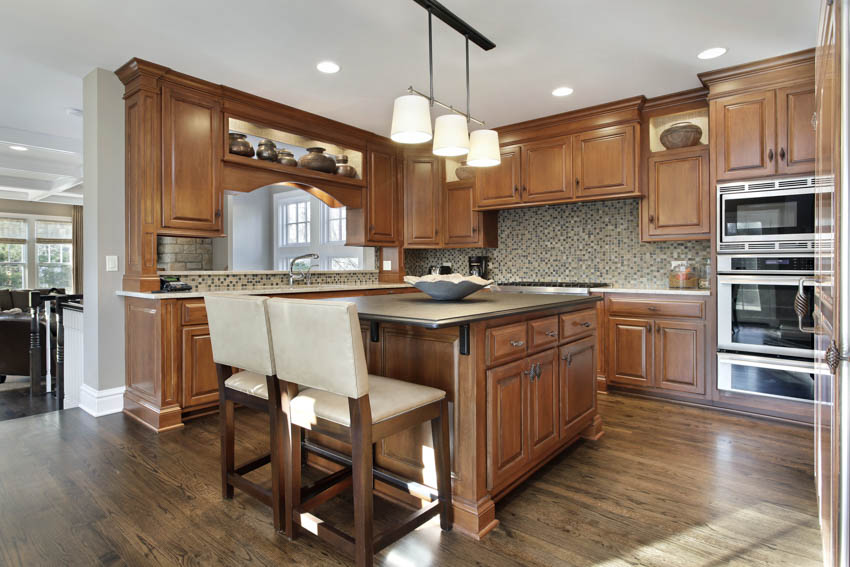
(705, 275)
(683, 276)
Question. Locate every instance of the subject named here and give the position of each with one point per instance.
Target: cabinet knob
(652, 308)
(371, 227)
(577, 182)
(217, 213)
(770, 155)
(586, 324)
(651, 219)
(658, 329)
(782, 154)
(516, 188)
(524, 189)
(649, 327)
(568, 357)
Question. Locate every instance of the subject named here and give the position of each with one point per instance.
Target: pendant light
(484, 149)
(451, 136)
(411, 120)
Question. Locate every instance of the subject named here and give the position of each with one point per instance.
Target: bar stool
(239, 333)
(318, 345)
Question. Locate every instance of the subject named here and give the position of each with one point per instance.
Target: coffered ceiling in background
(603, 50)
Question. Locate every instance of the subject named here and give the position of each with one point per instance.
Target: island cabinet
(596, 164)
(657, 343)
(440, 214)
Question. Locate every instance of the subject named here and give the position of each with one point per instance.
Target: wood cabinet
(657, 343)
(507, 422)
(577, 371)
(543, 403)
(605, 162)
(677, 204)
(200, 381)
(597, 164)
(439, 214)
(378, 221)
(191, 157)
(764, 133)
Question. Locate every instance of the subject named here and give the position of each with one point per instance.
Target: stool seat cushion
(387, 397)
(249, 383)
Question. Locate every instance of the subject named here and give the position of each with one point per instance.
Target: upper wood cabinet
(439, 214)
(377, 222)
(191, 158)
(598, 164)
(764, 133)
(605, 162)
(677, 203)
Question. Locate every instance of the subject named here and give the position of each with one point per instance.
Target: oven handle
(762, 279)
(801, 305)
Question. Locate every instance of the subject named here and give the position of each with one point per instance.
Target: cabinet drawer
(506, 343)
(193, 313)
(578, 323)
(655, 308)
(542, 332)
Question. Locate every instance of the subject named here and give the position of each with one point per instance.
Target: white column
(103, 220)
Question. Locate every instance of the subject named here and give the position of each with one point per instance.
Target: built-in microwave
(772, 215)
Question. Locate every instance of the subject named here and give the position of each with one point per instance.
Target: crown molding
(775, 71)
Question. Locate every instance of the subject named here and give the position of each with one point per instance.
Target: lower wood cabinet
(507, 422)
(630, 351)
(679, 356)
(543, 398)
(200, 381)
(577, 372)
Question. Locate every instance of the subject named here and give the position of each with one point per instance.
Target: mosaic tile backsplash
(206, 281)
(597, 241)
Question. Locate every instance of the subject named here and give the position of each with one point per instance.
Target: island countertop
(420, 310)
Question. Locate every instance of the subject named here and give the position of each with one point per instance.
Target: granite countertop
(422, 311)
(261, 291)
(651, 290)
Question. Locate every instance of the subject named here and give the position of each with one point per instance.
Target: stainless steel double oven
(765, 259)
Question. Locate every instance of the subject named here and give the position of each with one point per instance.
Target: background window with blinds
(13, 253)
(53, 254)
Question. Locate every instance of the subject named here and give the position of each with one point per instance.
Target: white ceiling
(605, 50)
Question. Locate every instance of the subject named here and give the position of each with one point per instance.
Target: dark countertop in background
(420, 310)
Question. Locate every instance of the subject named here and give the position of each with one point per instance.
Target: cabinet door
(578, 380)
(745, 133)
(796, 135)
(630, 351)
(191, 156)
(462, 224)
(382, 197)
(605, 162)
(499, 185)
(678, 198)
(543, 395)
(547, 171)
(679, 360)
(507, 422)
(422, 182)
(200, 381)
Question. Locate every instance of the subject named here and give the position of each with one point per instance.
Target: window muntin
(36, 251)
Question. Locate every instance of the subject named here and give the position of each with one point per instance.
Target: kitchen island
(519, 371)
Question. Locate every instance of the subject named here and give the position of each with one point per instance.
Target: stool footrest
(409, 524)
(262, 494)
(253, 464)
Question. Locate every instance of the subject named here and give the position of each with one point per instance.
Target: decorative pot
(464, 172)
(267, 150)
(342, 167)
(316, 160)
(240, 145)
(681, 135)
(285, 157)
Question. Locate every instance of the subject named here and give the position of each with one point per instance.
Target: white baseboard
(101, 402)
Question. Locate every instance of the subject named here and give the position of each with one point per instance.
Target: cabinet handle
(586, 324)
(568, 357)
(577, 182)
(649, 327)
(517, 344)
(474, 229)
(658, 329)
(782, 154)
(651, 219)
(551, 333)
(371, 228)
(524, 189)
(652, 308)
(217, 213)
(516, 188)
(770, 155)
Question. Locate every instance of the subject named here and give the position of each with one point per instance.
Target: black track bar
(459, 25)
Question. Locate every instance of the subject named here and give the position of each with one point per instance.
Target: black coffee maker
(478, 266)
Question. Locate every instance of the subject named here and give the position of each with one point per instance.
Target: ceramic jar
(681, 135)
(316, 160)
(464, 172)
(343, 169)
(285, 157)
(267, 150)
(240, 145)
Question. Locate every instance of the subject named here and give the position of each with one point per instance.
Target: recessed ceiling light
(712, 52)
(19, 148)
(327, 67)
(562, 91)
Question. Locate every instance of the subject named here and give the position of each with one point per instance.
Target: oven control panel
(766, 264)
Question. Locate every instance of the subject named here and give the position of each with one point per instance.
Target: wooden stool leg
(276, 446)
(442, 461)
(361, 457)
(291, 463)
(228, 443)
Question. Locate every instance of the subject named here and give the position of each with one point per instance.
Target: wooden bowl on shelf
(681, 135)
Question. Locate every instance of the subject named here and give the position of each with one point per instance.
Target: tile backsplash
(231, 281)
(598, 241)
(180, 253)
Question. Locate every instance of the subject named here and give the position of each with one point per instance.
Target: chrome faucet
(303, 274)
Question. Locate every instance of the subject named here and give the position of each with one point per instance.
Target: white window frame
(319, 244)
(31, 272)
(286, 222)
(341, 219)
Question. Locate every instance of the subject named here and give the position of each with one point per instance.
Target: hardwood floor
(666, 485)
(15, 399)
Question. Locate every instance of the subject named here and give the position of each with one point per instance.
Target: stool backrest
(318, 344)
(239, 332)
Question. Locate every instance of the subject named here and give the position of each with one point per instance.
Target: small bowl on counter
(450, 287)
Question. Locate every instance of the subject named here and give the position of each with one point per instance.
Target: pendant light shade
(411, 120)
(451, 137)
(484, 149)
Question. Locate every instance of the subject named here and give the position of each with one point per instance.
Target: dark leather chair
(15, 333)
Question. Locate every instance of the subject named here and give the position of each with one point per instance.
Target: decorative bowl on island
(450, 287)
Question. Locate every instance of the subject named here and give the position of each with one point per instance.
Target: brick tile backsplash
(179, 253)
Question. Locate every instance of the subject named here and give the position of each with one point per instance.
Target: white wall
(103, 218)
(250, 225)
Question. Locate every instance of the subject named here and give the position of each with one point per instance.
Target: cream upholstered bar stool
(318, 345)
(239, 333)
